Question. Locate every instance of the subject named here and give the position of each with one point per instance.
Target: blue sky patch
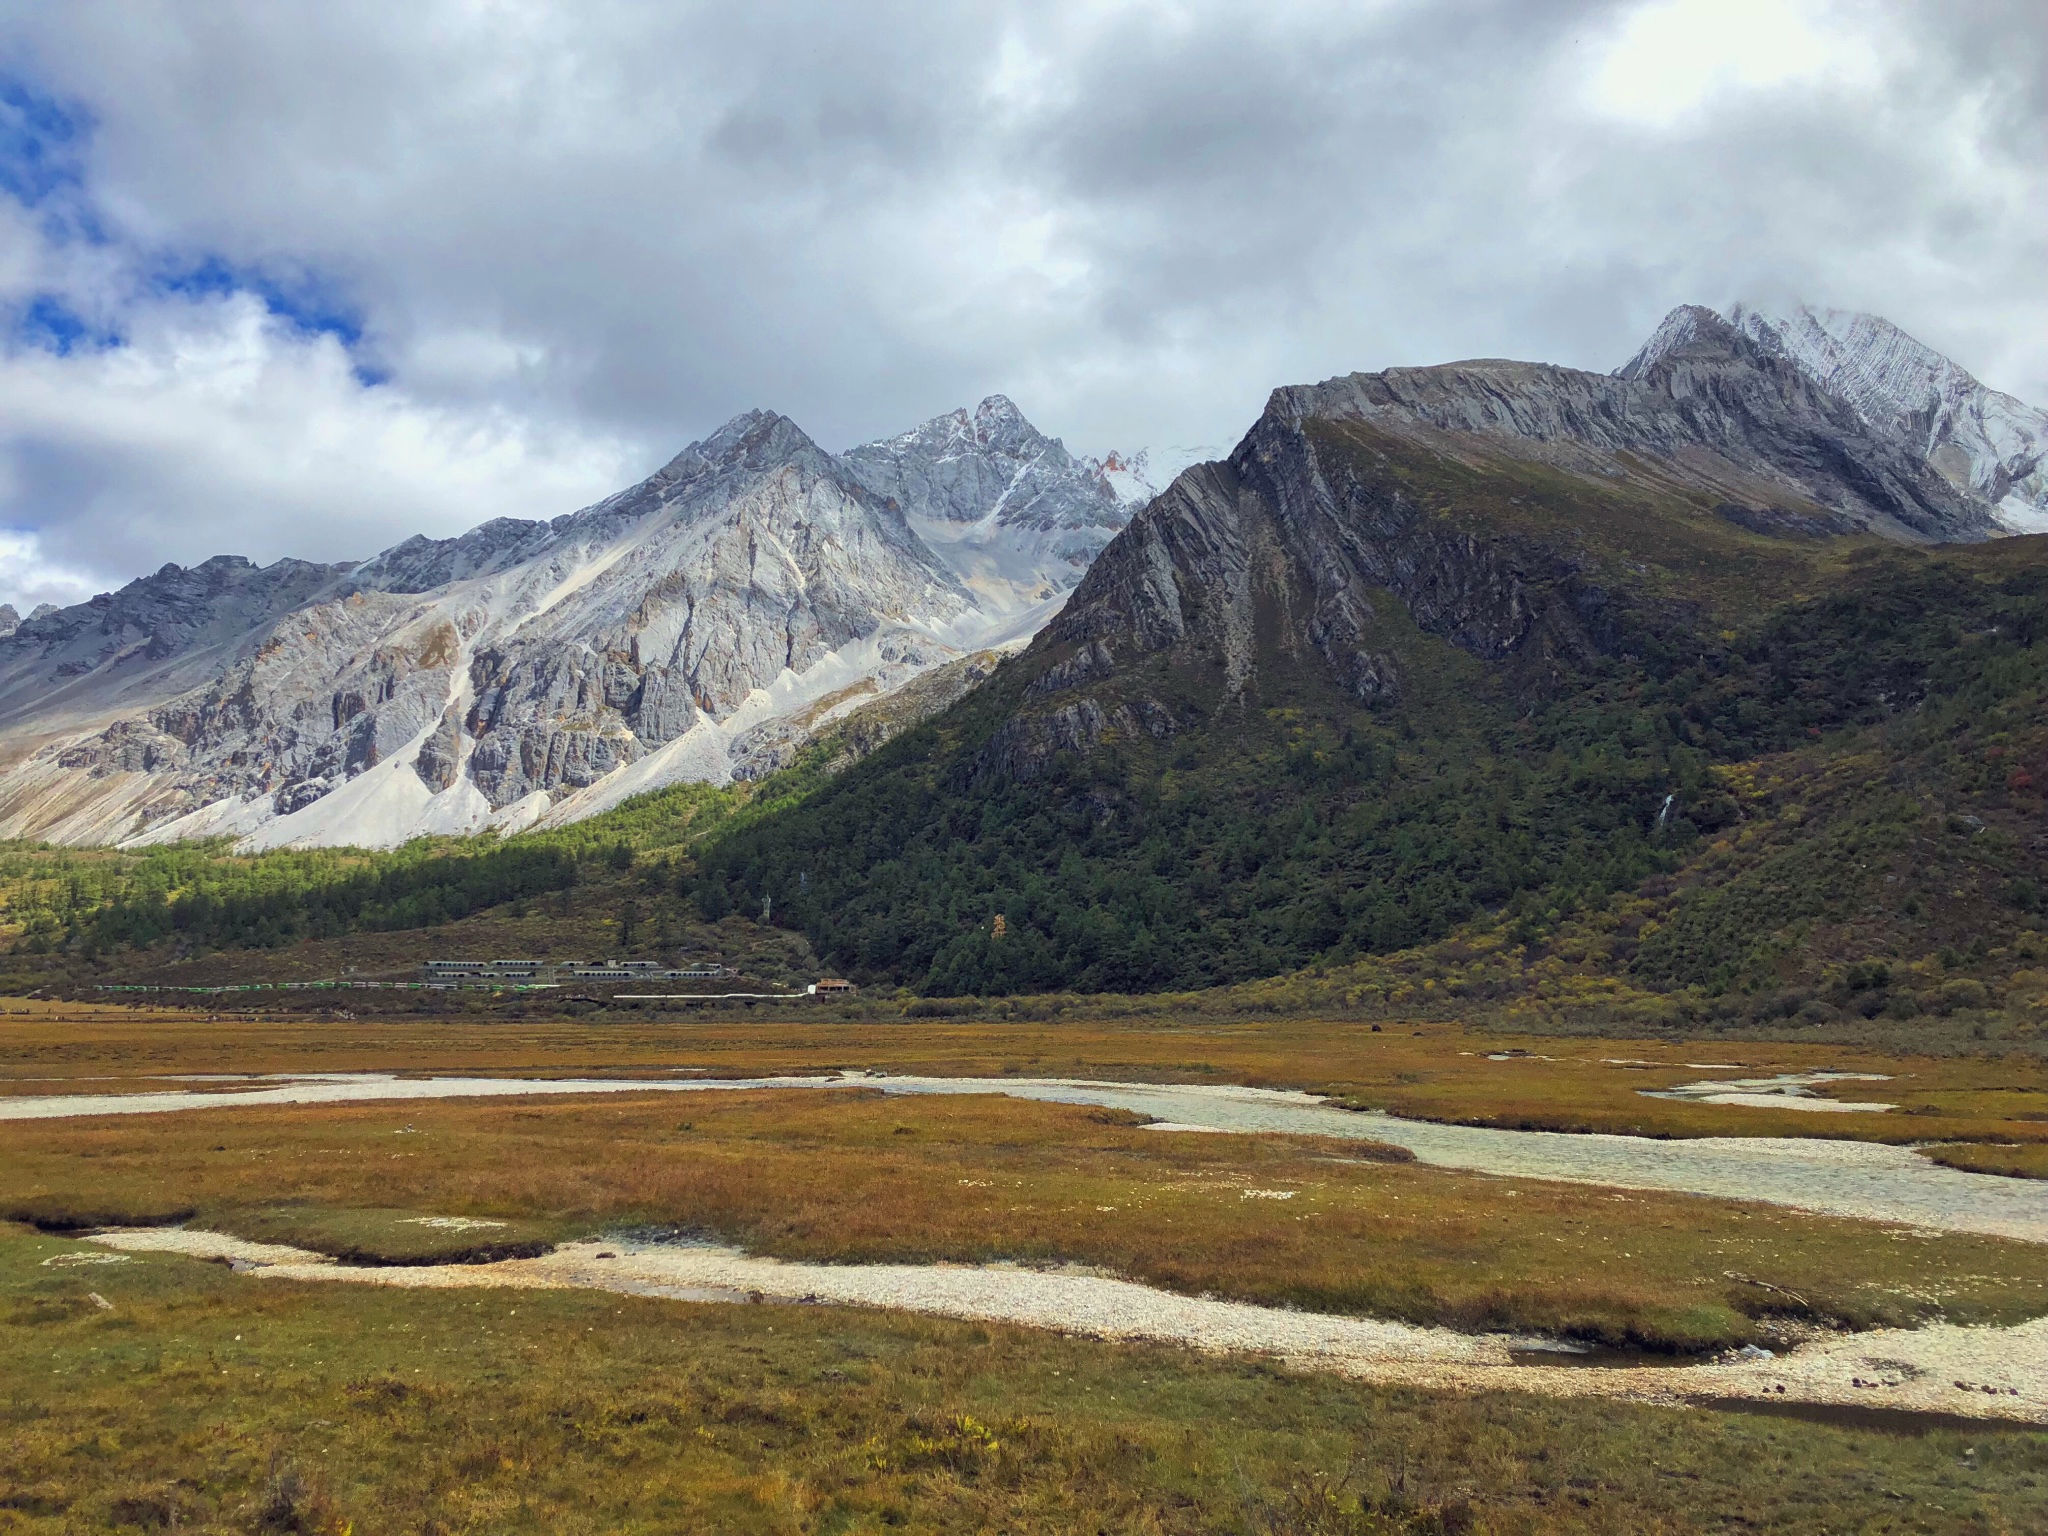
(47, 323)
(40, 143)
(42, 167)
(304, 300)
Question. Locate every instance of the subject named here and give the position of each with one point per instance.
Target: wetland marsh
(1293, 1235)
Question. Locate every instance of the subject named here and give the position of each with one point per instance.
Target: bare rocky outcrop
(447, 681)
(1983, 442)
(1702, 403)
(860, 719)
(1309, 544)
(1012, 510)
(757, 590)
(153, 638)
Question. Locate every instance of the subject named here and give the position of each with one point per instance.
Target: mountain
(1009, 508)
(1981, 441)
(1456, 656)
(755, 589)
(11, 620)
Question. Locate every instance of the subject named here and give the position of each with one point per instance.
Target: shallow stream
(1858, 1179)
(1942, 1370)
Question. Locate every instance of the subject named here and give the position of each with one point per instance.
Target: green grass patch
(2012, 1161)
(102, 1208)
(385, 1236)
(203, 1401)
(834, 1178)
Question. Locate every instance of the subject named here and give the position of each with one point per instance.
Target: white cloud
(28, 578)
(1671, 58)
(216, 428)
(579, 236)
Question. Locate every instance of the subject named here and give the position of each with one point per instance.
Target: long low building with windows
(485, 972)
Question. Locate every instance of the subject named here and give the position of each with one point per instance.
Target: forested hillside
(1644, 707)
(1724, 717)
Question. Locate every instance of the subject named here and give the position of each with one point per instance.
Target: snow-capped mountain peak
(1677, 330)
(1016, 515)
(1985, 444)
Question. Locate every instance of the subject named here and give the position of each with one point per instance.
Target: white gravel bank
(1858, 1179)
(1977, 1372)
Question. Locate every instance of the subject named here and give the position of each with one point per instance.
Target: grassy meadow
(2011, 1160)
(854, 1176)
(167, 1394)
(1425, 1071)
(158, 1393)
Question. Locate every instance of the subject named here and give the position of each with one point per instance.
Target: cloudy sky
(294, 278)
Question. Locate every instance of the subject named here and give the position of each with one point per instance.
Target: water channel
(1858, 1179)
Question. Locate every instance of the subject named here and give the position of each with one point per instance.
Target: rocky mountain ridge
(1012, 510)
(757, 589)
(1299, 528)
(530, 671)
(1483, 642)
(1986, 444)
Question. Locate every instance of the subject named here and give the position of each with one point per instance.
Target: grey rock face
(127, 746)
(10, 620)
(545, 656)
(1287, 549)
(156, 635)
(1984, 443)
(1715, 410)
(867, 726)
(1274, 548)
(1010, 508)
(448, 679)
(1022, 747)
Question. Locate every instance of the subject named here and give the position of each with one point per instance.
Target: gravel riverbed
(1864, 1180)
(1990, 1373)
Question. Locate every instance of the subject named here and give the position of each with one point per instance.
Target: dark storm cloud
(555, 242)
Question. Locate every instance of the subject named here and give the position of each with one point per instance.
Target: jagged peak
(998, 415)
(1827, 341)
(212, 565)
(751, 440)
(1690, 328)
(996, 424)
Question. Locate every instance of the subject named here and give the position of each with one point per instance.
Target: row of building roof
(529, 972)
(557, 970)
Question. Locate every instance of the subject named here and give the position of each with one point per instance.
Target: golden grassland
(161, 1393)
(854, 1176)
(1430, 1071)
(2011, 1160)
(165, 1394)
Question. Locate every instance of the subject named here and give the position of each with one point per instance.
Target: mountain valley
(1695, 692)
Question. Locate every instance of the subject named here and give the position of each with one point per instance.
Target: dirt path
(1863, 1180)
(1972, 1372)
